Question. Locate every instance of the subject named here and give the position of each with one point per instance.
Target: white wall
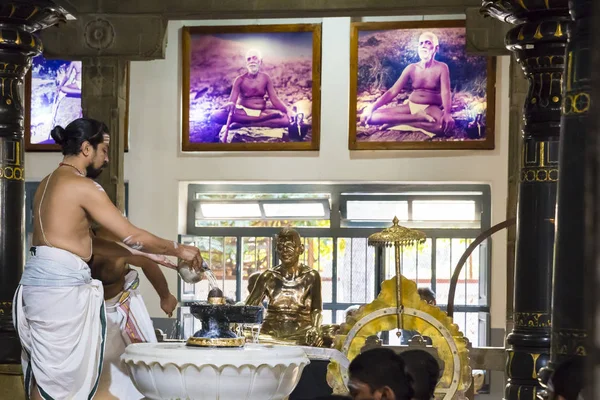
(155, 167)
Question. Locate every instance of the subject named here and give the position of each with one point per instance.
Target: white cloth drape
(58, 312)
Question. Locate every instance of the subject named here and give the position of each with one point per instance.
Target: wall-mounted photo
(52, 97)
(413, 86)
(251, 87)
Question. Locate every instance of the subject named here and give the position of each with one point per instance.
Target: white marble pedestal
(254, 372)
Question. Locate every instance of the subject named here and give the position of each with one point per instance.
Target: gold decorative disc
(452, 348)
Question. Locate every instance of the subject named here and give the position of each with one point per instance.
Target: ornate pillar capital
(130, 37)
(523, 11)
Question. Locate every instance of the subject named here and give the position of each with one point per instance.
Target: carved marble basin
(175, 371)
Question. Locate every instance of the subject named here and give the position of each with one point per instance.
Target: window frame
(340, 194)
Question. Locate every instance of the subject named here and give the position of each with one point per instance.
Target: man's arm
(446, 93)
(67, 76)
(392, 92)
(97, 204)
(153, 273)
(445, 89)
(278, 104)
(110, 248)
(235, 90)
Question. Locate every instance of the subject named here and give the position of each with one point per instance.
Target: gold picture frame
(215, 57)
(379, 55)
(45, 93)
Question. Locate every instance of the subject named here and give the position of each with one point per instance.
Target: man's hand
(290, 114)
(168, 304)
(229, 106)
(447, 122)
(366, 114)
(191, 254)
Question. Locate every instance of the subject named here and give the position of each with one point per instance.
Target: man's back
(59, 218)
(111, 272)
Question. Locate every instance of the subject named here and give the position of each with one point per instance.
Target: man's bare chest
(426, 78)
(253, 87)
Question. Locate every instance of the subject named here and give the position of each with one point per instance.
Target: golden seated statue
(293, 293)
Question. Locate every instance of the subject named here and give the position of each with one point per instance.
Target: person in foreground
(424, 371)
(58, 309)
(127, 318)
(567, 381)
(379, 374)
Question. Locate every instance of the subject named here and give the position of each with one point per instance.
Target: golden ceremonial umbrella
(397, 236)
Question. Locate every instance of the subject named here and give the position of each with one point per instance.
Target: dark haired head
(381, 370)
(424, 370)
(426, 294)
(77, 132)
(567, 381)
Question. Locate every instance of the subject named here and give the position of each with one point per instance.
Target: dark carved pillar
(518, 93)
(568, 300)
(592, 216)
(18, 44)
(538, 42)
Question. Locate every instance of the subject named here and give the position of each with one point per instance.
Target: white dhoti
(58, 312)
(128, 322)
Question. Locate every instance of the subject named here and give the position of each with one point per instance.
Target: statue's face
(289, 248)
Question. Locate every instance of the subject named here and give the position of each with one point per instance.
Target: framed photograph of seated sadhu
(251, 88)
(53, 97)
(413, 86)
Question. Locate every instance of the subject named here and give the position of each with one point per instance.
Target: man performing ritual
(58, 309)
(127, 319)
(247, 105)
(430, 103)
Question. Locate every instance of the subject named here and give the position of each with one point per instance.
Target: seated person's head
(351, 312)
(332, 397)
(427, 295)
(567, 380)
(379, 374)
(424, 370)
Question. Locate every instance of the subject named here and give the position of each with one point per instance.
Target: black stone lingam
(216, 316)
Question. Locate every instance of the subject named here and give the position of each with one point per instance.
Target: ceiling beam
(251, 9)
